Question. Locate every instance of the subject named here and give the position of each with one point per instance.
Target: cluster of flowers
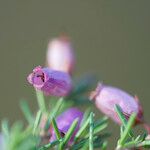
(56, 80)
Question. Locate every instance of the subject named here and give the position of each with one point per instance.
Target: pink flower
(51, 82)
(65, 120)
(1, 142)
(60, 54)
(106, 97)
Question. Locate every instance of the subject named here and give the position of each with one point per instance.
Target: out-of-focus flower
(65, 120)
(51, 82)
(60, 54)
(1, 142)
(106, 97)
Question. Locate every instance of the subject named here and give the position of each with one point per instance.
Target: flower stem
(91, 131)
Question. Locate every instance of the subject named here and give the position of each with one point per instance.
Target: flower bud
(65, 120)
(51, 82)
(106, 97)
(60, 55)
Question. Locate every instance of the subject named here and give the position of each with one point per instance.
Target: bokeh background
(111, 39)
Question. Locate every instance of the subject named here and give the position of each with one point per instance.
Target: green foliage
(127, 137)
(26, 111)
(91, 134)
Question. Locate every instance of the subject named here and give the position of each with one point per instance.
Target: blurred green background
(111, 39)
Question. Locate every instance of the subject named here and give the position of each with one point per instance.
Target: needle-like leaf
(37, 121)
(54, 124)
(26, 111)
(127, 129)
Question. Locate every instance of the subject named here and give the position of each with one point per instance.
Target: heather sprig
(60, 123)
(91, 133)
(22, 135)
